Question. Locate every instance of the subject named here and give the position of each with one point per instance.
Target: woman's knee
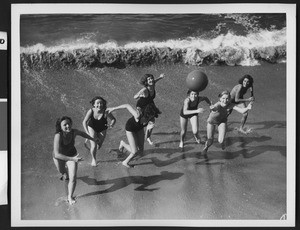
(221, 139)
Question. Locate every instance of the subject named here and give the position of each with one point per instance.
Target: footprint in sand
(61, 200)
(244, 131)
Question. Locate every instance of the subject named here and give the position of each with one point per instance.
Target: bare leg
(123, 145)
(93, 149)
(194, 123)
(133, 147)
(244, 118)
(183, 126)
(101, 137)
(72, 166)
(243, 121)
(140, 141)
(210, 137)
(222, 133)
(61, 167)
(149, 129)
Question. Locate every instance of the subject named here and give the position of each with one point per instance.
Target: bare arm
(160, 77)
(215, 107)
(125, 106)
(186, 111)
(112, 119)
(142, 93)
(251, 91)
(85, 135)
(59, 155)
(85, 120)
(243, 110)
(237, 95)
(206, 100)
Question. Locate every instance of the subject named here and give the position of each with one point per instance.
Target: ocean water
(120, 40)
(66, 60)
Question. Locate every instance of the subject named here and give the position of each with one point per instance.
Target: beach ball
(196, 81)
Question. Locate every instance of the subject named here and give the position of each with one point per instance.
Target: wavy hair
(251, 81)
(58, 122)
(99, 98)
(143, 80)
(225, 92)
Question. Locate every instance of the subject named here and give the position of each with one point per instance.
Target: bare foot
(181, 144)
(149, 141)
(71, 200)
(126, 165)
(241, 130)
(64, 176)
(94, 163)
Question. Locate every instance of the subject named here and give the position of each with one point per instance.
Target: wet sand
(247, 181)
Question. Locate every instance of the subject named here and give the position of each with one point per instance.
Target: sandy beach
(247, 181)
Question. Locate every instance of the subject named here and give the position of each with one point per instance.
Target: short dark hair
(58, 122)
(99, 98)
(143, 79)
(189, 91)
(251, 81)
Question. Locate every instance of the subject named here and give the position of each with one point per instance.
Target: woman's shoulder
(186, 100)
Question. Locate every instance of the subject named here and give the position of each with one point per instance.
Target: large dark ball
(196, 81)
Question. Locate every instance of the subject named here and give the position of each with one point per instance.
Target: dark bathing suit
(191, 106)
(219, 116)
(242, 93)
(98, 125)
(68, 149)
(144, 101)
(133, 126)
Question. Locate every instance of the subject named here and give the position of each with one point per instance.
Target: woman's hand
(110, 126)
(251, 99)
(109, 110)
(250, 105)
(77, 158)
(200, 110)
(162, 75)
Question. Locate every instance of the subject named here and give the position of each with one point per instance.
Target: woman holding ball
(190, 111)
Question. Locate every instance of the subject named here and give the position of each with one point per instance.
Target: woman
(190, 111)
(135, 130)
(95, 124)
(218, 117)
(145, 97)
(65, 155)
(237, 96)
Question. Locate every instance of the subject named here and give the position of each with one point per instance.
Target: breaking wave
(224, 49)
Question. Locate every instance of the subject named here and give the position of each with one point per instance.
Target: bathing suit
(98, 125)
(243, 91)
(67, 149)
(219, 116)
(144, 101)
(191, 106)
(133, 126)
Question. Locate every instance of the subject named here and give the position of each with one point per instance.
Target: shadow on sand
(122, 182)
(262, 125)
